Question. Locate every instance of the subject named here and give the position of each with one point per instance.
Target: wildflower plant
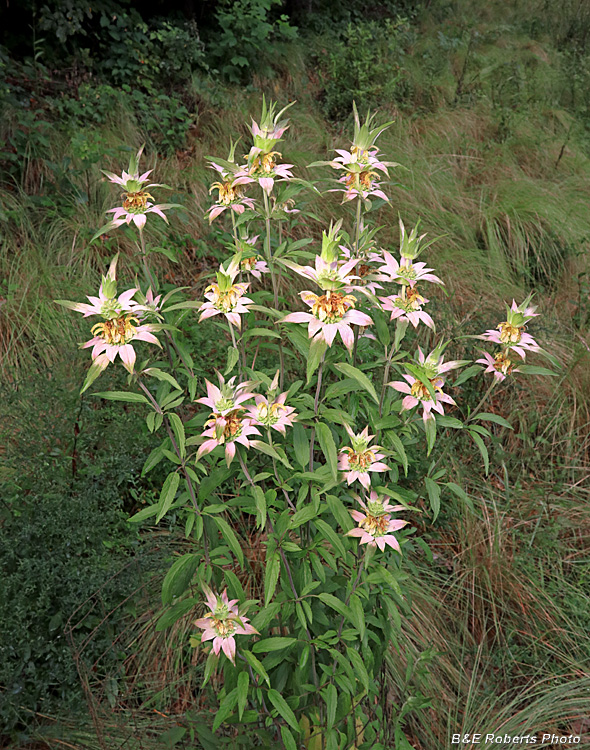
(267, 448)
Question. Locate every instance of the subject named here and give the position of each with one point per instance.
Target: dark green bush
(364, 65)
(68, 481)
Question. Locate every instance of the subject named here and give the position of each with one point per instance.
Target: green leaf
(535, 370)
(144, 513)
(341, 388)
(225, 709)
(460, 493)
(260, 501)
(276, 643)
(301, 444)
(358, 666)
(271, 576)
(338, 510)
(305, 514)
(328, 447)
(260, 332)
(470, 372)
(484, 416)
(288, 739)
(358, 614)
(232, 357)
(152, 460)
(477, 439)
(331, 536)
(263, 447)
(179, 577)
(401, 451)
(283, 708)
(256, 665)
(132, 398)
(433, 495)
(175, 612)
(443, 420)
(331, 698)
(167, 495)
(243, 684)
(337, 604)
(317, 350)
(232, 541)
(360, 377)
(430, 428)
(178, 430)
(212, 482)
(154, 372)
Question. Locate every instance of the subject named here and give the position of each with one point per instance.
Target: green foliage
(363, 65)
(248, 37)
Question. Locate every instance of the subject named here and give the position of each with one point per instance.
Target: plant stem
(316, 405)
(185, 473)
(274, 280)
(238, 349)
(284, 560)
(277, 477)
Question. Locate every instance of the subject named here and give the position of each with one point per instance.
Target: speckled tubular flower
(434, 365)
(511, 333)
(131, 181)
(375, 525)
(408, 307)
(107, 304)
(114, 337)
(406, 272)
(251, 261)
(500, 364)
(137, 201)
(222, 623)
(331, 313)
(357, 461)
(264, 169)
(418, 394)
(272, 412)
(271, 128)
(228, 397)
(226, 298)
(227, 430)
(230, 187)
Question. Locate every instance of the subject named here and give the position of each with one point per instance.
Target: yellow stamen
(376, 525)
(118, 331)
(332, 307)
(136, 201)
(510, 334)
(503, 364)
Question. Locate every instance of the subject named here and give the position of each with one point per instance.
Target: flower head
(408, 307)
(418, 393)
(226, 298)
(227, 429)
(358, 460)
(114, 337)
(230, 186)
(271, 128)
(270, 411)
(222, 623)
(511, 333)
(407, 272)
(131, 181)
(107, 304)
(331, 313)
(228, 397)
(375, 525)
(500, 364)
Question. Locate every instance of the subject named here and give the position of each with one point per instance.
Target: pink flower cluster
(222, 623)
(375, 525)
(512, 337)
